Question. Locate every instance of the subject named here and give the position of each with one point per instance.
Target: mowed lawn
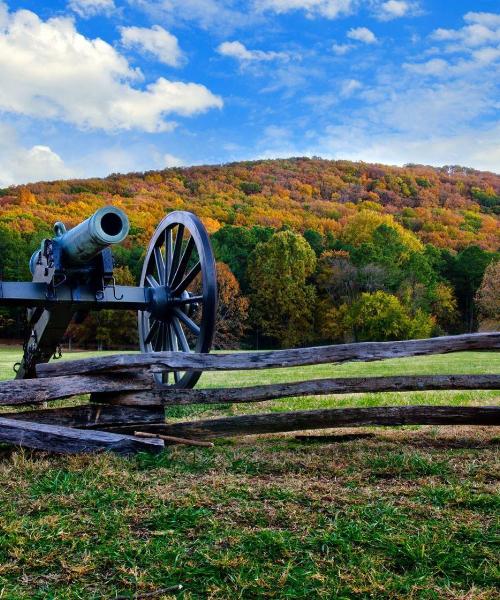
(409, 512)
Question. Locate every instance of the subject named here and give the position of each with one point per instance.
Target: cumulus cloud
(330, 9)
(483, 18)
(349, 86)
(435, 66)
(362, 34)
(91, 8)
(395, 9)
(21, 164)
(155, 41)
(49, 70)
(239, 51)
(341, 49)
(482, 29)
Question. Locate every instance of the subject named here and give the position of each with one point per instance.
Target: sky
(93, 87)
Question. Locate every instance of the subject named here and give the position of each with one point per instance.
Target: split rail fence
(126, 399)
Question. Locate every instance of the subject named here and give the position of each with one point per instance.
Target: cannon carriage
(176, 298)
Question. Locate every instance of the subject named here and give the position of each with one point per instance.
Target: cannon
(176, 298)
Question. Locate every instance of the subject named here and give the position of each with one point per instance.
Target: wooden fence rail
(126, 398)
(143, 391)
(325, 419)
(297, 357)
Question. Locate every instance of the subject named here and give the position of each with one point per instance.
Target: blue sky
(90, 87)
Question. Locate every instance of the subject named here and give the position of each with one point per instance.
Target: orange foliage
(427, 205)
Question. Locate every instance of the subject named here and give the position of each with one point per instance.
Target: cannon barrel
(109, 225)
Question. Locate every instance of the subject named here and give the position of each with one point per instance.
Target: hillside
(451, 207)
(354, 250)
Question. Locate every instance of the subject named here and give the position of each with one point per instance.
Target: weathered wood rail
(126, 399)
(296, 357)
(326, 419)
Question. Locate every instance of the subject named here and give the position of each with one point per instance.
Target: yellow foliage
(359, 229)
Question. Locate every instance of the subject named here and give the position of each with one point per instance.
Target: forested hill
(450, 207)
(367, 251)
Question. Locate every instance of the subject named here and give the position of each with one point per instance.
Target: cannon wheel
(180, 279)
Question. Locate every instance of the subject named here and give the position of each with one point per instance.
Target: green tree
(315, 240)
(378, 317)
(233, 245)
(281, 300)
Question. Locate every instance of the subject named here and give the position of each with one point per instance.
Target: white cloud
(349, 86)
(20, 164)
(483, 18)
(90, 8)
(395, 9)
(239, 51)
(169, 161)
(208, 14)
(156, 41)
(470, 147)
(331, 9)
(435, 66)
(341, 49)
(362, 34)
(441, 111)
(483, 28)
(49, 70)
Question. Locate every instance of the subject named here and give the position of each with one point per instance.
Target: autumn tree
(466, 271)
(232, 310)
(488, 298)
(281, 300)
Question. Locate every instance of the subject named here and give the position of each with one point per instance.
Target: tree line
(308, 250)
(281, 288)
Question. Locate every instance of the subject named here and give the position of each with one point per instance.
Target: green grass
(408, 512)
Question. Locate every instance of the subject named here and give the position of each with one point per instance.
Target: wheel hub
(160, 302)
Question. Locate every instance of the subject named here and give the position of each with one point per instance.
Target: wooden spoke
(158, 338)
(177, 251)
(187, 321)
(190, 277)
(181, 269)
(160, 264)
(181, 336)
(175, 347)
(152, 281)
(153, 330)
(168, 253)
(181, 295)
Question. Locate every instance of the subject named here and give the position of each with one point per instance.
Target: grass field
(406, 512)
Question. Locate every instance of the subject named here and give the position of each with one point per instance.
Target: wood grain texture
(142, 391)
(37, 391)
(315, 387)
(329, 418)
(91, 415)
(365, 351)
(65, 440)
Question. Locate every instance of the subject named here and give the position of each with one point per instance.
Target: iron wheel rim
(180, 318)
